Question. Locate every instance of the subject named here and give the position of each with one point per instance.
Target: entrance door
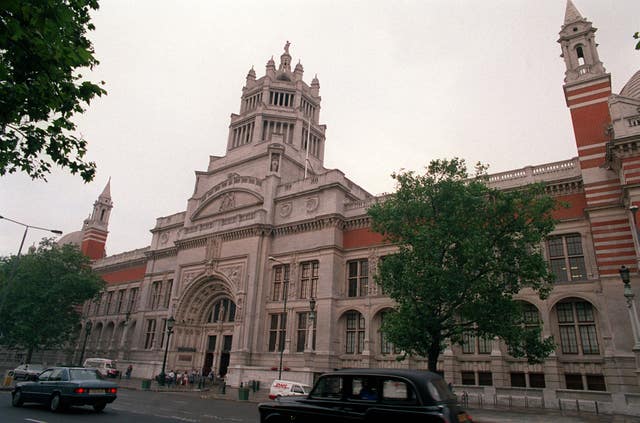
(208, 358)
(224, 357)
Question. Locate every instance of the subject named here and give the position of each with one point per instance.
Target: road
(191, 407)
(139, 407)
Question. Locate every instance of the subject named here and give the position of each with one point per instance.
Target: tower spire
(95, 228)
(571, 14)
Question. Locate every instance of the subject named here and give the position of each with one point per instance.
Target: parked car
(370, 395)
(61, 387)
(284, 388)
(106, 366)
(26, 371)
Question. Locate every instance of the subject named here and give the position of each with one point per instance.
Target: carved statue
(286, 47)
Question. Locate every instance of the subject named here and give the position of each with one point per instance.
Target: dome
(74, 238)
(632, 88)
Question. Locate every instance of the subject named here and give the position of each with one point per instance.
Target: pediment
(226, 201)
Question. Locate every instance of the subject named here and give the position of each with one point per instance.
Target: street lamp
(283, 319)
(312, 322)
(170, 322)
(87, 331)
(26, 229)
(631, 306)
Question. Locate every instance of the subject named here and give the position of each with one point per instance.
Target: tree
(42, 48)
(41, 295)
(464, 251)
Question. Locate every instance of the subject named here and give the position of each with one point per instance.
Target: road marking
(231, 419)
(35, 421)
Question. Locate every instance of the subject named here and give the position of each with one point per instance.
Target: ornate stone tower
(280, 108)
(95, 228)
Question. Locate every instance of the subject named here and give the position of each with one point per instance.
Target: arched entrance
(205, 326)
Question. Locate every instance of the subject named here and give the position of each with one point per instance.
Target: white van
(105, 366)
(284, 388)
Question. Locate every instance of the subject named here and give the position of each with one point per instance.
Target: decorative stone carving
(285, 209)
(164, 238)
(312, 204)
(228, 201)
(233, 273)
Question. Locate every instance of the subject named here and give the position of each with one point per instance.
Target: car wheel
(16, 399)
(99, 406)
(56, 403)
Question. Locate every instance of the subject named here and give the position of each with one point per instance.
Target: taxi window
(396, 391)
(364, 388)
(328, 387)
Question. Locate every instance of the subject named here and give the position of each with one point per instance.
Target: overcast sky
(402, 83)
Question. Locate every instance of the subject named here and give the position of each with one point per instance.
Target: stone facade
(268, 228)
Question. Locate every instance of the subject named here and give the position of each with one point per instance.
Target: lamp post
(87, 331)
(312, 322)
(283, 319)
(170, 323)
(26, 229)
(631, 306)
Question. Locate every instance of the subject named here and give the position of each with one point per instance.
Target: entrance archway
(205, 325)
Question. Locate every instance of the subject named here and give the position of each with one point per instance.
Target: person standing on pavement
(127, 374)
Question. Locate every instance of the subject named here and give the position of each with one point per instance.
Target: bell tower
(587, 89)
(95, 227)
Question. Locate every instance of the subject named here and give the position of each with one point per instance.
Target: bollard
(597, 411)
(223, 387)
(577, 406)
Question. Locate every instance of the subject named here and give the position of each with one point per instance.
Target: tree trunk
(29, 355)
(434, 353)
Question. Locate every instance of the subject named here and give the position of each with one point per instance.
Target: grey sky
(402, 82)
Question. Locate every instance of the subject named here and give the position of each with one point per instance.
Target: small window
(596, 383)
(518, 380)
(536, 380)
(329, 387)
(468, 378)
(297, 389)
(485, 379)
(364, 389)
(45, 375)
(573, 381)
(397, 391)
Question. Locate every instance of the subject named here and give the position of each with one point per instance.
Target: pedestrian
(127, 374)
(171, 377)
(211, 376)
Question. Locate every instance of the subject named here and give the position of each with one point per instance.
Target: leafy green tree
(42, 48)
(464, 251)
(41, 295)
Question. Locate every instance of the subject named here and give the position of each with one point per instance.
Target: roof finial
(286, 47)
(571, 13)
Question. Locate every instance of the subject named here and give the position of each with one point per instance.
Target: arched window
(355, 332)
(577, 327)
(223, 310)
(580, 54)
(386, 347)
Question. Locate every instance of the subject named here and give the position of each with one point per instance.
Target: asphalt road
(138, 407)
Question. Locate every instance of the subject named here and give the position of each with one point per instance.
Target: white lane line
(35, 421)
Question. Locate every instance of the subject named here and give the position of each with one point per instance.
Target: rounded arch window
(577, 327)
(222, 310)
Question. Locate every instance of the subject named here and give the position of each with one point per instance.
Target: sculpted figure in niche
(228, 202)
(275, 162)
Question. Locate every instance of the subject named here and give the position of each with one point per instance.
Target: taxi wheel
(16, 399)
(56, 403)
(99, 406)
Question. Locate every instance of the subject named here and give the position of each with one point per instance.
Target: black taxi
(370, 395)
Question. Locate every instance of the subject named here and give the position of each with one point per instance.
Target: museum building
(269, 269)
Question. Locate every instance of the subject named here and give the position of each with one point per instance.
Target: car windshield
(36, 367)
(84, 374)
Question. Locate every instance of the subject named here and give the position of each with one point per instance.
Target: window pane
(518, 380)
(468, 343)
(596, 383)
(485, 379)
(573, 381)
(559, 269)
(584, 311)
(468, 378)
(484, 346)
(565, 312)
(578, 269)
(536, 380)
(574, 245)
(555, 247)
(589, 339)
(568, 340)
